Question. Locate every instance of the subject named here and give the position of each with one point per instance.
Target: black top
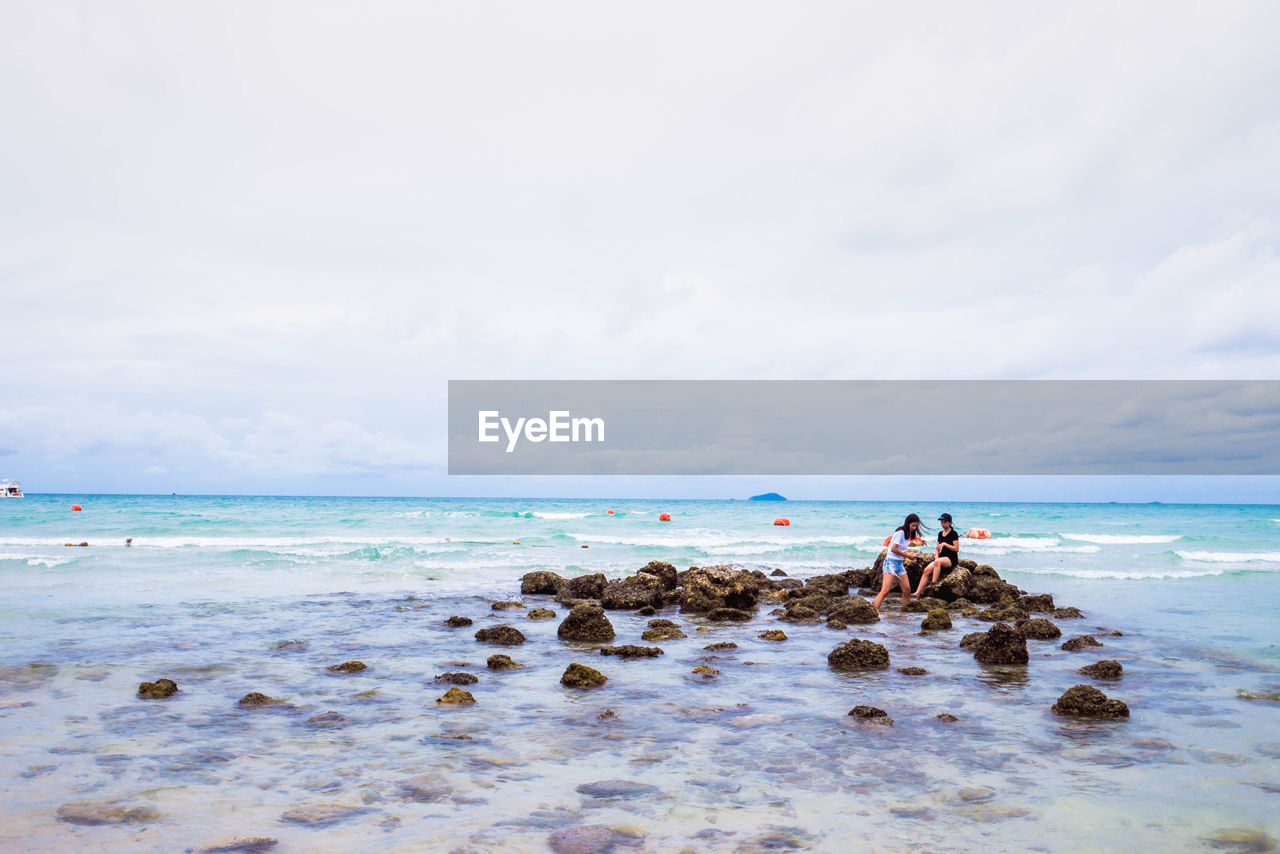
(954, 539)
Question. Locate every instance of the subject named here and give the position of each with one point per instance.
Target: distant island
(768, 496)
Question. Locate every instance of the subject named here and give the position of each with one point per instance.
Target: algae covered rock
(457, 622)
(1001, 645)
(507, 606)
(913, 671)
(663, 633)
(457, 679)
(541, 582)
(637, 591)
(456, 697)
(720, 646)
(257, 698)
(855, 611)
(580, 676)
(157, 690)
(1042, 602)
(924, 605)
(858, 654)
(503, 635)
(93, 813)
(1039, 629)
(1082, 642)
(946, 717)
(632, 651)
(707, 588)
(971, 640)
(541, 614)
(586, 623)
(1105, 669)
(773, 635)
(1068, 613)
(937, 620)
(729, 615)
(705, 671)
(501, 662)
(871, 714)
(1087, 701)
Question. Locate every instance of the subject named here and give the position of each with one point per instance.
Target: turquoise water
(762, 757)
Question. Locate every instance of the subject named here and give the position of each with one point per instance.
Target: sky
(243, 247)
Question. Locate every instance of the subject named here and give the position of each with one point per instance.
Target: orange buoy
(76, 507)
(609, 512)
(977, 534)
(782, 522)
(915, 541)
(664, 517)
(584, 545)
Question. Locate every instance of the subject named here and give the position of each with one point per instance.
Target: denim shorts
(894, 569)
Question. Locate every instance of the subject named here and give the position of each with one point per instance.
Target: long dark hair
(905, 526)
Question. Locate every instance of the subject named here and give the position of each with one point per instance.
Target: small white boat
(10, 488)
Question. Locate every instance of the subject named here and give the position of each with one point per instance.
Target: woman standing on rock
(893, 566)
(946, 554)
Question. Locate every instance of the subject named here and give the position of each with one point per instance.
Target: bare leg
(884, 590)
(905, 584)
(924, 576)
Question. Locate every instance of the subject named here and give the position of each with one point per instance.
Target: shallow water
(763, 757)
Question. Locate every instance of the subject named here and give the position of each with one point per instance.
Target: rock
(542, 614)
(914, 564)
(986, 591)
(327, 720)
(872, 714)
(425, 788)
(856, 611)
(587, 839)
(1104, 669)
(616, 790)
(1067, 613)
(158, 689)
(971, 640)
(800, 614)
(320, 815)
(1038, 629)
(580, 676)
(663, 633)
(1271, 696)
(660, 623)
(507, 606)
(638, 591)
(586, 623)
(541, 582)
(1004, 614)
(503, 635)
(501, 662)
(937, 620)
(720, 646)
(1001, 645)
(958, 604)
(1240, 839)
(458, 622)
(835, 584)
(664, 572)
(242, 845)
(777, 573)
(631, 651)
(646, 611)
(707, 588)
(955, 585)
(912, 671)
(946, 717)
(255, 698)
(290, 645)
(94, 813)
(836, 623)
(457, 679)
(456, 697)
(924, 605)
(773, 635)
(858, 654)
(1041, 602)
(1087, 701)
(706, 672)
(1082, 642)
(729, 615)
(584, 586)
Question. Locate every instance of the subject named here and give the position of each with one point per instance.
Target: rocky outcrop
(1038, 629)
(1039, 603)
(632, 651)
(503, 635)
(1087, 701)
(854, 611)
(586, 623)
(1105, 669)
(971, 640)
(1067, 613)
(583, 586)
(924, 605)
(1082, 642)
(800, 615)
(541, 582)
(1001, 645)
(636, 591)
(580, 676)
(158, 690)
(858, 654)
(456, 697)
(664, 572)
(937, 620)
(707, 588)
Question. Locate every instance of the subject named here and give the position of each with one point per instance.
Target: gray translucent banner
(864, 427)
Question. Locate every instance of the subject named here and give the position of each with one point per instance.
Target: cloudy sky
(243, 246)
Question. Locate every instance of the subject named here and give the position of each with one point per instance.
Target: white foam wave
(1127, 575)
(264, 543)
(557, 515)
(37, 560)
(707, 539)
(1230, 557)
(1123, 539)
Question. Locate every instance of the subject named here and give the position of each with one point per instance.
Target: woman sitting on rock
(893, 566)
(945, 555)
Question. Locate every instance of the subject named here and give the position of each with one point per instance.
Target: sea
(228, 595)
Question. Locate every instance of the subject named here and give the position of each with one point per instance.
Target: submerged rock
(158, 689)
(1082, 642)
(1087, 701)
(541, 614)
(632, 651)
(913, 671)
(946, 717)
(456, 697)
(580, 676)
(320, 815)
(858, 654)
(587, 839)
(586, 623)
(1105, 669)
(663, 633)
(457, 679)
(106, 812)
(616, 789)
(458, 622)
(327, 720)
(290, 646)
(720, 646)
(242, 845)
(1039, 629)
(937, 620)
(872, 714)
(501, 635)
(705, 671)
(773, 635)
(507, 606)
(1240, 839)
(1001, 645)
(348, 667)
(257, 698)
(502, 662)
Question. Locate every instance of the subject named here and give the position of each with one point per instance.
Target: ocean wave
(1014, 545)
(263, 543)
(548, 514)
(37, 560)
(707, 539)
(1123, 539)
(1124, 575)
(1230, 557)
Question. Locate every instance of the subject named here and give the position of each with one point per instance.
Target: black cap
(945, 517)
